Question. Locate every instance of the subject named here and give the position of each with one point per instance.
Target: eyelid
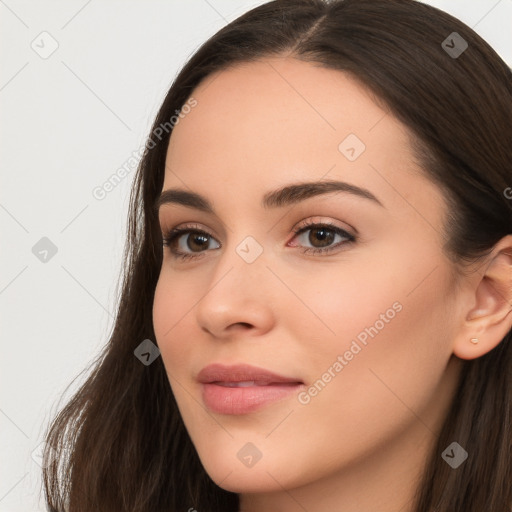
(318, 220)
(311, 221)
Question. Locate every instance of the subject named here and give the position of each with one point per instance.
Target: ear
(489, 317)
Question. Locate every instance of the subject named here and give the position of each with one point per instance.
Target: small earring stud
(474, 340)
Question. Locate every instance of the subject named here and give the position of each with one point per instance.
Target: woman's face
(365, 327)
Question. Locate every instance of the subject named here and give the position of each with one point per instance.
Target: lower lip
(242, 400)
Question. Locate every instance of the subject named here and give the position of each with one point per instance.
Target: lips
(242, 389)
(242, 375)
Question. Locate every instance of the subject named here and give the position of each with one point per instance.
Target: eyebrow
(287, 195)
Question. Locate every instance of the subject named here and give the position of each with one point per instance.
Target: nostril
(243, 326)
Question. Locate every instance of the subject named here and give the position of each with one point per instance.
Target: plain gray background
(71, 119)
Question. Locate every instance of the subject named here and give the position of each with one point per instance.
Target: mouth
(251, 383)
(241, 373)
(242, 389)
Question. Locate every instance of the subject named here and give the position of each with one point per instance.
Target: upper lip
(241, 373)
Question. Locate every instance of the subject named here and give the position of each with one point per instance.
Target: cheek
(389, 353)
(351, 301)
(377, 343)
(171, 314)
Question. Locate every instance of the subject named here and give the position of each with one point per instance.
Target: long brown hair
(120, 443)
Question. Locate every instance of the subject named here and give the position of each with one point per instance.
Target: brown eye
(196, 241)
(321, 237)
(190, 242)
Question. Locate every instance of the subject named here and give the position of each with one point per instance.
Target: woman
(316, 303)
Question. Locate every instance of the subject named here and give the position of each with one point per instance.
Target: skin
(362, 441)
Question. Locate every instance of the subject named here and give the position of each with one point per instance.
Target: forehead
(267, 123)
(251, 104)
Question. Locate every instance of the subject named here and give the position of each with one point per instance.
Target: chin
(250, 480)
(231, 474)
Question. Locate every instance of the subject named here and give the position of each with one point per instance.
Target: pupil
(200, 245)
(321, 235)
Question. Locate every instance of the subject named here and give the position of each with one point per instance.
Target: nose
(238, 298)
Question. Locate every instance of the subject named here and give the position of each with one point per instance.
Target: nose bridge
(246, 243)
(240, 287)
(244, 259)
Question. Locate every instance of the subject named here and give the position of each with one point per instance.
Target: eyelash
(170, 236)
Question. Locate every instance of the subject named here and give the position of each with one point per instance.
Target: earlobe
(490, 319)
